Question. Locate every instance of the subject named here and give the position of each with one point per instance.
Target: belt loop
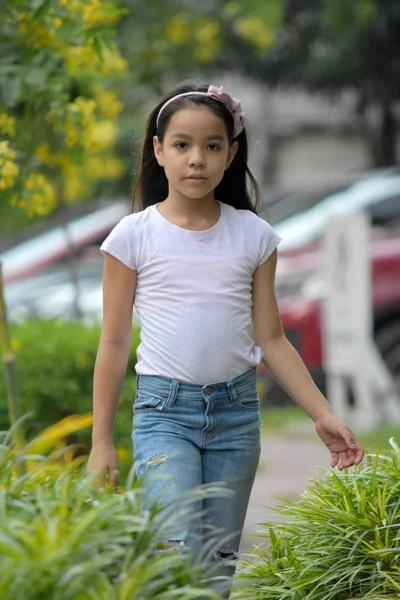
(173, 392)
(231, 390)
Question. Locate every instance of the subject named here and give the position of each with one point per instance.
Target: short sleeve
(120, 243)
(269, 241)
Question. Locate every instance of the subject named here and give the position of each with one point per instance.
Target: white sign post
(351, 360)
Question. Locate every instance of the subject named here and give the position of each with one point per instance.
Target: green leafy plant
(340, 541)
(55, 362)
(60, 538)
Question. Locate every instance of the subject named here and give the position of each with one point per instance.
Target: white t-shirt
(193, 296)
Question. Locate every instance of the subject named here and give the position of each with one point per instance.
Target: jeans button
(208, 390)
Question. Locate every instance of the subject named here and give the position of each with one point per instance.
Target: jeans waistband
(239, 382)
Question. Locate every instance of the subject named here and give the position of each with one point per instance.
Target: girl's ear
(158, 152)
(231, 154)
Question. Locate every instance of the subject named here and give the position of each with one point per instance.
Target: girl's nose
(197, 160)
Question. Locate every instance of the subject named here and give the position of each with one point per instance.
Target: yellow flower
(71, 133)
(81, 57)
(15, 344)
(104, 168)
(101, 135)
(206, 35)
(113, 168)
(52, 115)
(85, 107)
(76, 185)
(178, 30)
(44, 154)
(73, 6)
(7, 124)
(39, 194)
(206, 53)
(63, 160)
(8, 173)
(16, 201)
(80, 122)
(83, 360)
(5, 150)
(113, 61)
(108, 103)
(9, 169)
(206, 31)
(94, 14)
(57, 22)
(86, 57)
(38, 36)
(24, 16)
(231, 9)
(254, 30)
(122, 453)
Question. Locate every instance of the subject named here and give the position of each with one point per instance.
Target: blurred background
(320, 84)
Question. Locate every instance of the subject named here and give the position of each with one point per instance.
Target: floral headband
(233, 105)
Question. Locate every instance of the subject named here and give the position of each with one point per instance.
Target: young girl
(199, 265)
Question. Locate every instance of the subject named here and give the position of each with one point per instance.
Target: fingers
(359, 456)
(335, 459)
(344, 460)
(98, 481)
(114, 478)
(355, 453)
(349, 438)
(101, 476)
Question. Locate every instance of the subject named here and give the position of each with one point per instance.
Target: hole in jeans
(175, 544)
(156, 460)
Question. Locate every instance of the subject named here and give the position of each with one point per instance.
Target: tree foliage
(60, 73)
(188, 39)
(324, 46)
(333, 45)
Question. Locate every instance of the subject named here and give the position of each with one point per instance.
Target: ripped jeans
(186, 435)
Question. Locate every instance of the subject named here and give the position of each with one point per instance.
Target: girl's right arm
(119, 285)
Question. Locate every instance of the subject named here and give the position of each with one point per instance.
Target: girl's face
(195, 152)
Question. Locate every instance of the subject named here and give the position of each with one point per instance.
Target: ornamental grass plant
(63, 539)
(340, 541)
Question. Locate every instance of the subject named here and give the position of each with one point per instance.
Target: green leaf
(40, 7)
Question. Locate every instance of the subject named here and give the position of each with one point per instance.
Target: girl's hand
(103, 462)
(345, 448)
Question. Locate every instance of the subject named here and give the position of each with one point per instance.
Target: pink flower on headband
(233, 105)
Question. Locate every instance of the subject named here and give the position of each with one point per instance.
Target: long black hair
(237, 187)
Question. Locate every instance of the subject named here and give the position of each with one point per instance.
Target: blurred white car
(37, 273)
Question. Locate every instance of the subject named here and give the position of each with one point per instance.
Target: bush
(341, 541)
(55, 362)
(62, 539)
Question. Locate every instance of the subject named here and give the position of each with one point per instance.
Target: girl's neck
(191, 213)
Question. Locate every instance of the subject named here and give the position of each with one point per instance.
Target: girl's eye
(184, 145)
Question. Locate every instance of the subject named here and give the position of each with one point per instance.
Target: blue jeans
(186, 435)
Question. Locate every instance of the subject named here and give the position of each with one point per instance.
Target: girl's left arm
(286, 366)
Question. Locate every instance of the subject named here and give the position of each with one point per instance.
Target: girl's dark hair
(151, 186)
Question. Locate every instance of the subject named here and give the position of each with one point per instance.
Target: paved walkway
(285, 470)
